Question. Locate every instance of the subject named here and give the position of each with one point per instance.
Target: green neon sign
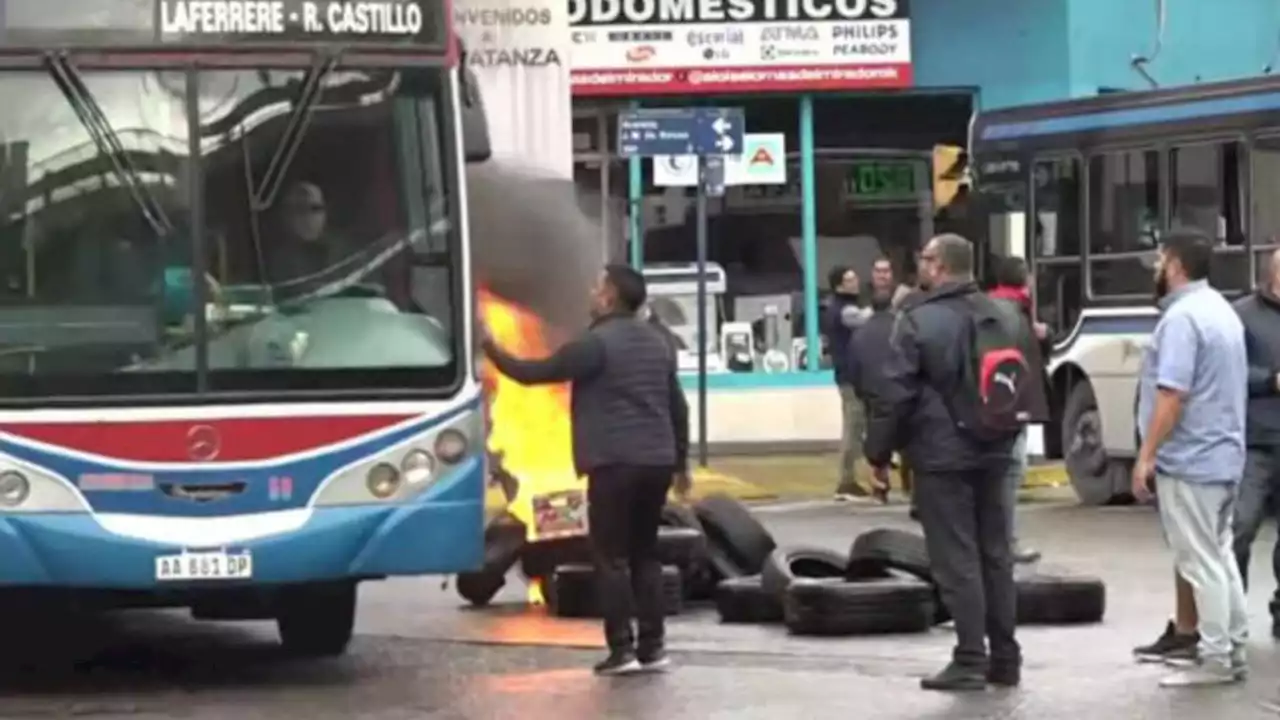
(884, 180)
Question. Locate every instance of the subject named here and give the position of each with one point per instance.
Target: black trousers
(966, 528)
(624, 510)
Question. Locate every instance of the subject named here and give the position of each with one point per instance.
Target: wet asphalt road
(419, 655)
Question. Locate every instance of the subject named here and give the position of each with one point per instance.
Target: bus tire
(1093, 474)
(317, 620)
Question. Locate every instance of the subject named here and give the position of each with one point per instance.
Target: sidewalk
(760, 478)
(808, 477)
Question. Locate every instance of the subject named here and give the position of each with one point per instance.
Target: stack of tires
(882, 585)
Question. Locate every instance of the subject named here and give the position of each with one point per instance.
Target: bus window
(1124, 221)
(1265, 230)
(1204, 188)
(1056, 229)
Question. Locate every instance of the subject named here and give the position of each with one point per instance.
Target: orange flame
(530, 431)
(535, 596)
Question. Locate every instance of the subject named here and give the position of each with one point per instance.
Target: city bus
(236, 372)
(1087, 188)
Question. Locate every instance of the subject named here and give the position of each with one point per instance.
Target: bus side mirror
(475, 125)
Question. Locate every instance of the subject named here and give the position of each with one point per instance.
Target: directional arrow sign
(680, 131)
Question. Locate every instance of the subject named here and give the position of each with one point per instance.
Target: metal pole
(702, 311)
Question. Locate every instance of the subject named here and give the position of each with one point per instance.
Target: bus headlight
(451, 446)
(383, 480)
(14, 489)
(417, 467)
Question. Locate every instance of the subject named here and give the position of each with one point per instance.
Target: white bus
(1087, 188)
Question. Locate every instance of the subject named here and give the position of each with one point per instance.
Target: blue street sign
(681, 131)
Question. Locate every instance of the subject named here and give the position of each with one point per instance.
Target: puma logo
(1006, 380)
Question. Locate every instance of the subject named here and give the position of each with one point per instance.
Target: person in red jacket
(1012, 287)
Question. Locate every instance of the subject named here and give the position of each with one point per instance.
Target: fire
(530, 431)
(535, 596)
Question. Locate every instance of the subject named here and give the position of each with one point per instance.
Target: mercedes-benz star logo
(203, 443)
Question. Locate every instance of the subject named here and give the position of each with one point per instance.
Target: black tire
(840, 607)
(681, 547)
(744, 600)
(317, 620)
(875, 552)
(731, 526)
(1060, 599)
(572, 592)
(540, 558)
(503, 541)
(786, 564)
(1096, 478)
(698, 574)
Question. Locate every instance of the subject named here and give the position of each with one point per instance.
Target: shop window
(1124, 202)
(753, 233)
(1204, 187)
(1056, 225)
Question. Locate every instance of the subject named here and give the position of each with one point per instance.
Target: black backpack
(993, 402)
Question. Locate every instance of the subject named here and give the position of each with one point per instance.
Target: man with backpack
(954, 396)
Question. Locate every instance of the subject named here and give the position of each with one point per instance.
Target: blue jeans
(1013, 478)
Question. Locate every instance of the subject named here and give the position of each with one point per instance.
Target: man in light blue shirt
(1192, 399)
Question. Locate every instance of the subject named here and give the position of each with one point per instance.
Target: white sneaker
(1202, 674)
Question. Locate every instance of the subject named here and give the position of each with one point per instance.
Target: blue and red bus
(235, 360)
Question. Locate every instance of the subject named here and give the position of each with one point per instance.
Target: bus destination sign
(209, 22)
(278, 17)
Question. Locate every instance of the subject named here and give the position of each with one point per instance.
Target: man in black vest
(631, 440)
(1259, 493)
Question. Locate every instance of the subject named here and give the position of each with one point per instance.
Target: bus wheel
(1093, 474)
(317, 620)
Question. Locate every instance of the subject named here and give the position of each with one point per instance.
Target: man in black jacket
(959, 479)
(631, 440)
(1259, 492)
(841, 320)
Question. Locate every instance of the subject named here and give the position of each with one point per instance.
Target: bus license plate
(204, 566)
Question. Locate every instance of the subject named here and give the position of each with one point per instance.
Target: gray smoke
(532, 244)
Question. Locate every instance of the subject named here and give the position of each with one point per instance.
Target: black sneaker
(956, 678)
(656, 661)
(1005, 675)
(1170, 646)
(618, 663)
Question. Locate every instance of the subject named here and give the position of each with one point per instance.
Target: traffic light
(950, 174)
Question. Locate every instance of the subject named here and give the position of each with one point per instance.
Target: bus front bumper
(437, 533)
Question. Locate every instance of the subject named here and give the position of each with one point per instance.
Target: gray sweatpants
(853, 425)
(1197, 521)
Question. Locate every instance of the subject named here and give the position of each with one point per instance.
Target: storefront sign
(882, 181)
(763, 162)
(638, 47)
(519, 52)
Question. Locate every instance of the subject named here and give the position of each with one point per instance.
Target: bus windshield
(327, 249)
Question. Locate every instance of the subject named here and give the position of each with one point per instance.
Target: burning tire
(1060, 599)
(731, 527)
(676, 546)
(744, 600)
(503, 541)
(784, 566)
(841, 607)
(572, 592)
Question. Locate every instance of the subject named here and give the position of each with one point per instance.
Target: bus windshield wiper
(95, 122)
(291, 139)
